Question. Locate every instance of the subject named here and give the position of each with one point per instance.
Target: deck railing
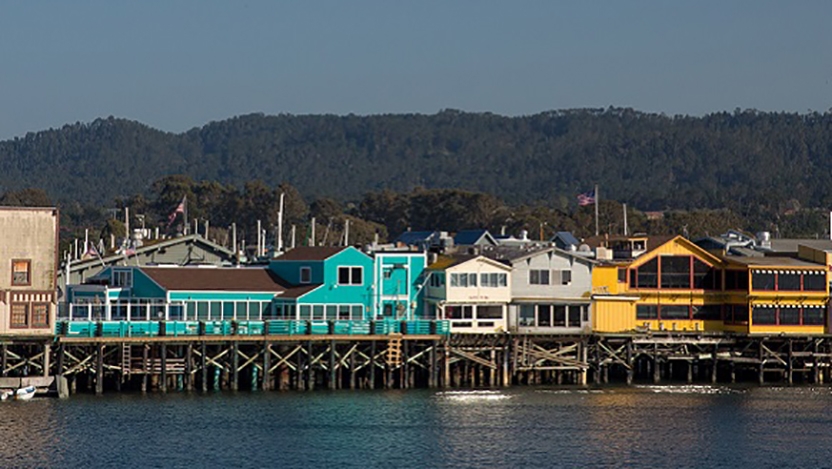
(248, 328)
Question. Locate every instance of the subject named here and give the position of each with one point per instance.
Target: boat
(20, 394)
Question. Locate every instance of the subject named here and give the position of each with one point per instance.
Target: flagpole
(185, 214)
(597, 201)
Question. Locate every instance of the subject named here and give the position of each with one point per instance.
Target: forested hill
(651, 161)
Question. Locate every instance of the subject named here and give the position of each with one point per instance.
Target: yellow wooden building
(674, 285)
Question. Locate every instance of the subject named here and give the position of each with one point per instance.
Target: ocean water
(642, 426)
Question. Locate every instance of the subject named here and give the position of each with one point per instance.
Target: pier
(100, 358)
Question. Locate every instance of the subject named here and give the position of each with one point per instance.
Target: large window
(773, 315)
(493, 280)
(788, 280)
(707, 312)
(647, 275)
(675, 312)
(560, 316)
(551, 315)
(464, 280)
(706, 277)
(350, 275)
(21, 272)
(675, 272)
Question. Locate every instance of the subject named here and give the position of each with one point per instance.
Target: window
(464, 280)
(813, 316)
(560, 316)
(706, 277)
(736, 280)
(675, 312)
(305, 275)
(436, 279)
(21, 272)
(526, 316)
(123, 278)
(764, 315)
(788, 281)
(492, 280)
(489, 312)
(544, 315)
(459, 312)
(539, 277)
(575, 315)
(707, 312)
(622, 275)
(565, 277)
(814, 281)
(20, 315)
(344, 312)
(789, 316)
(675, 271)
(350, 275)
(647, 312)
(647, 276)
(762, 280)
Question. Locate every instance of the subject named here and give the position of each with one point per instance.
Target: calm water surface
(667, 426)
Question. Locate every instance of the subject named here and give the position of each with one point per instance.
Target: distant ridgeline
(745, 169)
(652, 161)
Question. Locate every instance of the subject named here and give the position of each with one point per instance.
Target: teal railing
(247, 328)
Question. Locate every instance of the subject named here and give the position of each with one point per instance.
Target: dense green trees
(451, 170)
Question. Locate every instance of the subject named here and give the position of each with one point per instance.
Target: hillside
(651, 161)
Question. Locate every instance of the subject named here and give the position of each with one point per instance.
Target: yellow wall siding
(810, 330)
(613, 315)
(605, 280)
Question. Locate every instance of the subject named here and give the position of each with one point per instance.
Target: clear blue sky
(175, 64)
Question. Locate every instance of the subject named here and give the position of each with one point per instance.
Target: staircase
(126, 358)
(394, 350)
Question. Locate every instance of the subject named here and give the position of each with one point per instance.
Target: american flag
(179, 209)
(587, 198)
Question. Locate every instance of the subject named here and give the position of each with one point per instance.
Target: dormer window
(305, 275)
(123, 278)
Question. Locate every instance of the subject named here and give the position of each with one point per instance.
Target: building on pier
(676, 285)
(657, 284)
(28, 264)
(550, 289)
(471, 291)
(176, 294)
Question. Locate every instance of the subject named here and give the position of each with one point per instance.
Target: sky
(177, 64)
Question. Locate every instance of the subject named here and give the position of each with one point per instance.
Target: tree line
(384, 214)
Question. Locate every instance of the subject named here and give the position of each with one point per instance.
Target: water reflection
(664, 426)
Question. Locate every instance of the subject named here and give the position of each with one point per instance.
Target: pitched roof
(414, 237)
(310, 253)
(515, 254)
(216, 279)
(566, 238)
(471, 237)
(297, 292)
(151, 246)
